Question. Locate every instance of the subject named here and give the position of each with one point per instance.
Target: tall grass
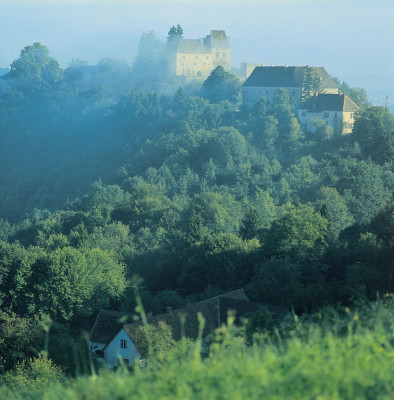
(331, 355)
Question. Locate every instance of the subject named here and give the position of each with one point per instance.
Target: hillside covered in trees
(191, 192)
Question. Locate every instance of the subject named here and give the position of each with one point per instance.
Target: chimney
(169, 310)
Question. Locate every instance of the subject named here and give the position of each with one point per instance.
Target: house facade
(336, 110)
(197, 58)
(115, 342)
(265, 81)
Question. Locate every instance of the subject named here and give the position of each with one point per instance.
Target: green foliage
(311, 85)
(20, 338)
(257, 323)
(221, 85)
(154, 340)
(358, 95)
(175, 34)
(33, 375)
(35, 68)
(300, 234)
(68, 281)
(193, 194)
(373, 130)
(287, 367)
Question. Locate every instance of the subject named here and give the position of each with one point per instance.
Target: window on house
(266, 92)
(196, 57)
(207, 57)
(224, 54)
(183, 57)
(336, 115)
(326, 115)
(123, 343)
(303, 113)
(352, 115)
(217, 54)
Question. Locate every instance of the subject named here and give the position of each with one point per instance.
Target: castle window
(123, 344)
(326, 115)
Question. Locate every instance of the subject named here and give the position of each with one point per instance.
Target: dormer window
(123, 343)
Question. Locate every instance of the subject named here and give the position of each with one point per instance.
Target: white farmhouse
(336, 110)
(114, 340)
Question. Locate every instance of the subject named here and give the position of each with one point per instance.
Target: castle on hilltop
(197, 58)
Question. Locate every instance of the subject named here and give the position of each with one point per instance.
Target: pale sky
(352, 39)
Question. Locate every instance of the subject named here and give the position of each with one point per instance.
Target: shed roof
(283, 76)
(329, 102)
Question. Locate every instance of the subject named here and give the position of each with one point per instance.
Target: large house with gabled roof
(336, 110)
(265, 81)
(114, 334)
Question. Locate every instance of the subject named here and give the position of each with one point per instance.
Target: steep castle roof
(284, 76)
(329, 102)
(217, 39)
(197, 46)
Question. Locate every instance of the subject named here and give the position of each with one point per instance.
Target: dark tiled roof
(241, 307)
(107, 325)
(208, 308)
(286, 77)
(196, 46)
(329, 102)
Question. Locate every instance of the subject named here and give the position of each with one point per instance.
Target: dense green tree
(312, 84)
(338, 214)
(35, 69)
(20, 338)
(221, 85)
(300, 234)
(373, 130)
(67, 282)
(175, 34)
(250, 224)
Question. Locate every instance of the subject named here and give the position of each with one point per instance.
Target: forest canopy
(189, 190)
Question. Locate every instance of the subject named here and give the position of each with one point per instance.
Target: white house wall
(251, 95)
(332, 118)
(113, 351)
